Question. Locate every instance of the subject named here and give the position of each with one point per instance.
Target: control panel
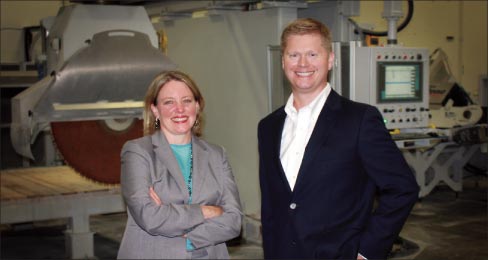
(396, 81)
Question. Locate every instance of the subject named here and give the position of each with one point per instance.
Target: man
(323, 160)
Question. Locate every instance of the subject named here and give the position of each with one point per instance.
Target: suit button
(293, 206)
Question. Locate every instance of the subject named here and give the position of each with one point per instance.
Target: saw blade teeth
(93, 149)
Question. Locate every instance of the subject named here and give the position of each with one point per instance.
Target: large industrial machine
(100, 61)
(411, 88)
(393, 78)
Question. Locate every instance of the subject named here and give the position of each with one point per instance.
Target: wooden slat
(46, 181)
(17, 183)
(68, 182)
(52, 184)
(6, 192)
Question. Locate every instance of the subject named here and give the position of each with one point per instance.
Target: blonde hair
(152, 95)
(304, 26)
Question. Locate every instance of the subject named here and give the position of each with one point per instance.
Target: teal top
(183, 154)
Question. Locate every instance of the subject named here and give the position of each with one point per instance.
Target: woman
(181, 196)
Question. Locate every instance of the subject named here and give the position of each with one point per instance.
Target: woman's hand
(211, 211)
(154, 196)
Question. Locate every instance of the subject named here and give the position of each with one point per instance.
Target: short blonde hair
(304, 26)
(152, 99)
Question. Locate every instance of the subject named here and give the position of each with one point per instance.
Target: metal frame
(77, 208)
(445, 162)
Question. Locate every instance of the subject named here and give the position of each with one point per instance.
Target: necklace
(190, 179)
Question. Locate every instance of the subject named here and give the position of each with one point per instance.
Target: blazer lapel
(165, 156)
(200, 167)
(275, 136)
(323, 127)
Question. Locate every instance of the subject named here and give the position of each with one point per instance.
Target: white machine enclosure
(445, 113)
(75, 25)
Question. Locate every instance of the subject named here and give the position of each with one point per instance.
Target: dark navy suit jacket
(349, 161)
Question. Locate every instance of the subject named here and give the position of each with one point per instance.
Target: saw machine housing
(100, 61)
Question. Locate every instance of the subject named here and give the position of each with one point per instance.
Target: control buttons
(386, 110)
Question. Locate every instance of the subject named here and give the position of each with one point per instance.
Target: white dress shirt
(297, 130)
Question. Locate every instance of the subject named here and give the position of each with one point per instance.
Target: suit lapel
(200, 167)
(275, 135)
(322, 129)
(165, 156)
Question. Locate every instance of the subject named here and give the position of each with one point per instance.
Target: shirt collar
(315, 106)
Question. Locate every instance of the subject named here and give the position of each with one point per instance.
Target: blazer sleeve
(168, 220)
(227, 226)
(395, 182)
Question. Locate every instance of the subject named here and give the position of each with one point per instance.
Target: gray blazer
(154, 231)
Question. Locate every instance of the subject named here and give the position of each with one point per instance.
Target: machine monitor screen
(399, 82)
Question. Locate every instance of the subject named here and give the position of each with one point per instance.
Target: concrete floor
(443, 225)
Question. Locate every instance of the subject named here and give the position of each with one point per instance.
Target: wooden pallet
(25, 183)
(48, 193)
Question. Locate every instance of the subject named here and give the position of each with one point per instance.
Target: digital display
(399, 81)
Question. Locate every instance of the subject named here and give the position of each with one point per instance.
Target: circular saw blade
(92, 148)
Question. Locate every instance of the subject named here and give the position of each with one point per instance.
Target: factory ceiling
(157, 8)
(185, 5)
